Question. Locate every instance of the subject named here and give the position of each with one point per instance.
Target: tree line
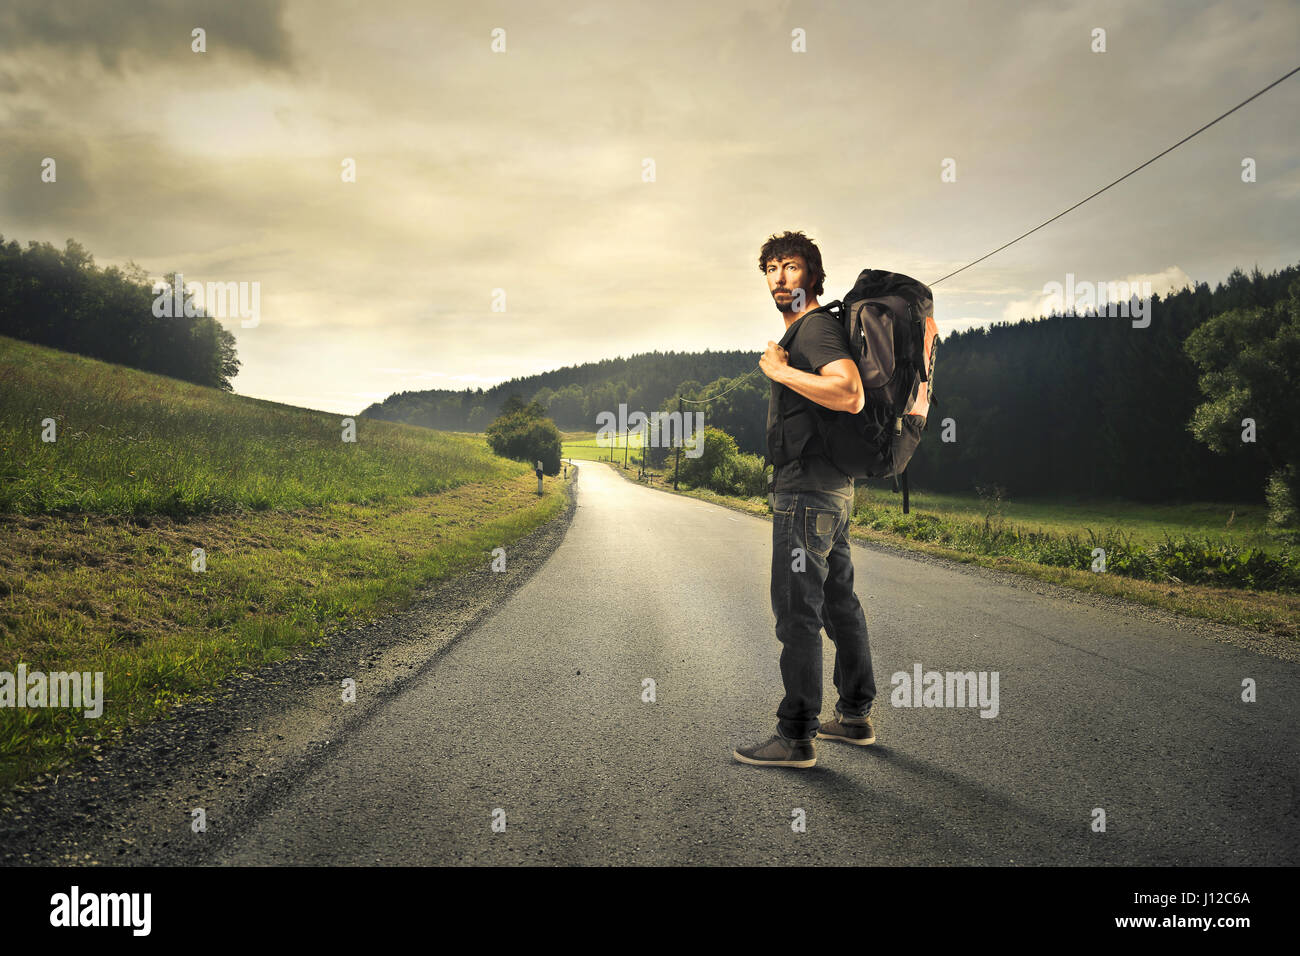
(572, 396)
(1088, 405)
(63, 300)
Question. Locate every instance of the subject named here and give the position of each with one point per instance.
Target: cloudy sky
(524, 170)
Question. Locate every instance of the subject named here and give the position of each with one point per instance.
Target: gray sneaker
(778, 751)
(851, 730)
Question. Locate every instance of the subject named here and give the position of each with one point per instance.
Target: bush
(861, 499)
(721, 467)
(1282, 505)
(521, 433)
(714, 464)
(750, 476)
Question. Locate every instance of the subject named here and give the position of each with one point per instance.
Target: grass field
(302, 533)
(133, 443)
(1148, 523)
(582, 446)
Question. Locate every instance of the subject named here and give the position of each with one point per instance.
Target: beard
(784, 301)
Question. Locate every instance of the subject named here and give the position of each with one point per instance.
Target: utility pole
(626, 441)
(677, 464)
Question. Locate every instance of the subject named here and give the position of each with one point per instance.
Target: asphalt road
(539, 713)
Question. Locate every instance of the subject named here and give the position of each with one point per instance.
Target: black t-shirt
(812, 341)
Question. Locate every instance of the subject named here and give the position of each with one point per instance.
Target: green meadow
(128, 442)
(584, 446)
(301, 532)
(1146, 522)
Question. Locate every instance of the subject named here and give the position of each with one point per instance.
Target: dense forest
(1090, 405)
(63, 300)
(1085, 405)
(572, 396)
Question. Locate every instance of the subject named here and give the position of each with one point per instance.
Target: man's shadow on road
(1025, 828)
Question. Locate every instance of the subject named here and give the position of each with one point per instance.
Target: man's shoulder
(822, 322)
(819, 331)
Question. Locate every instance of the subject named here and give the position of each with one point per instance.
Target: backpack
(889, 321)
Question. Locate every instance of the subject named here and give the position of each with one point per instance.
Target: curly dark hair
(795, 244)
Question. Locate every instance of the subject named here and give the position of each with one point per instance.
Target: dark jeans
(821, 594)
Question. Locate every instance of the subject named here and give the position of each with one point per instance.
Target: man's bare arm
(837, 387)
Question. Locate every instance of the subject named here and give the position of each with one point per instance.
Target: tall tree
(1249, 359)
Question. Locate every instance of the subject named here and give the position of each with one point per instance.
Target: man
(813, 375)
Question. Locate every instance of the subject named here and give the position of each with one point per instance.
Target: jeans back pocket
(819, 527)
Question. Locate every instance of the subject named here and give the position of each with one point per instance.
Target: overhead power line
(743, 378)
(1121, 179)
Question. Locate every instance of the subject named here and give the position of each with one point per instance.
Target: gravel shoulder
(132, 803)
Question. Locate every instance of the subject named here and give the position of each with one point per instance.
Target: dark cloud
(523, 171)
(26, 201)
(143, 33)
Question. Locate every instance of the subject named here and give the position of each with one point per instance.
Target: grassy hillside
(129, 442)
(302, 533)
